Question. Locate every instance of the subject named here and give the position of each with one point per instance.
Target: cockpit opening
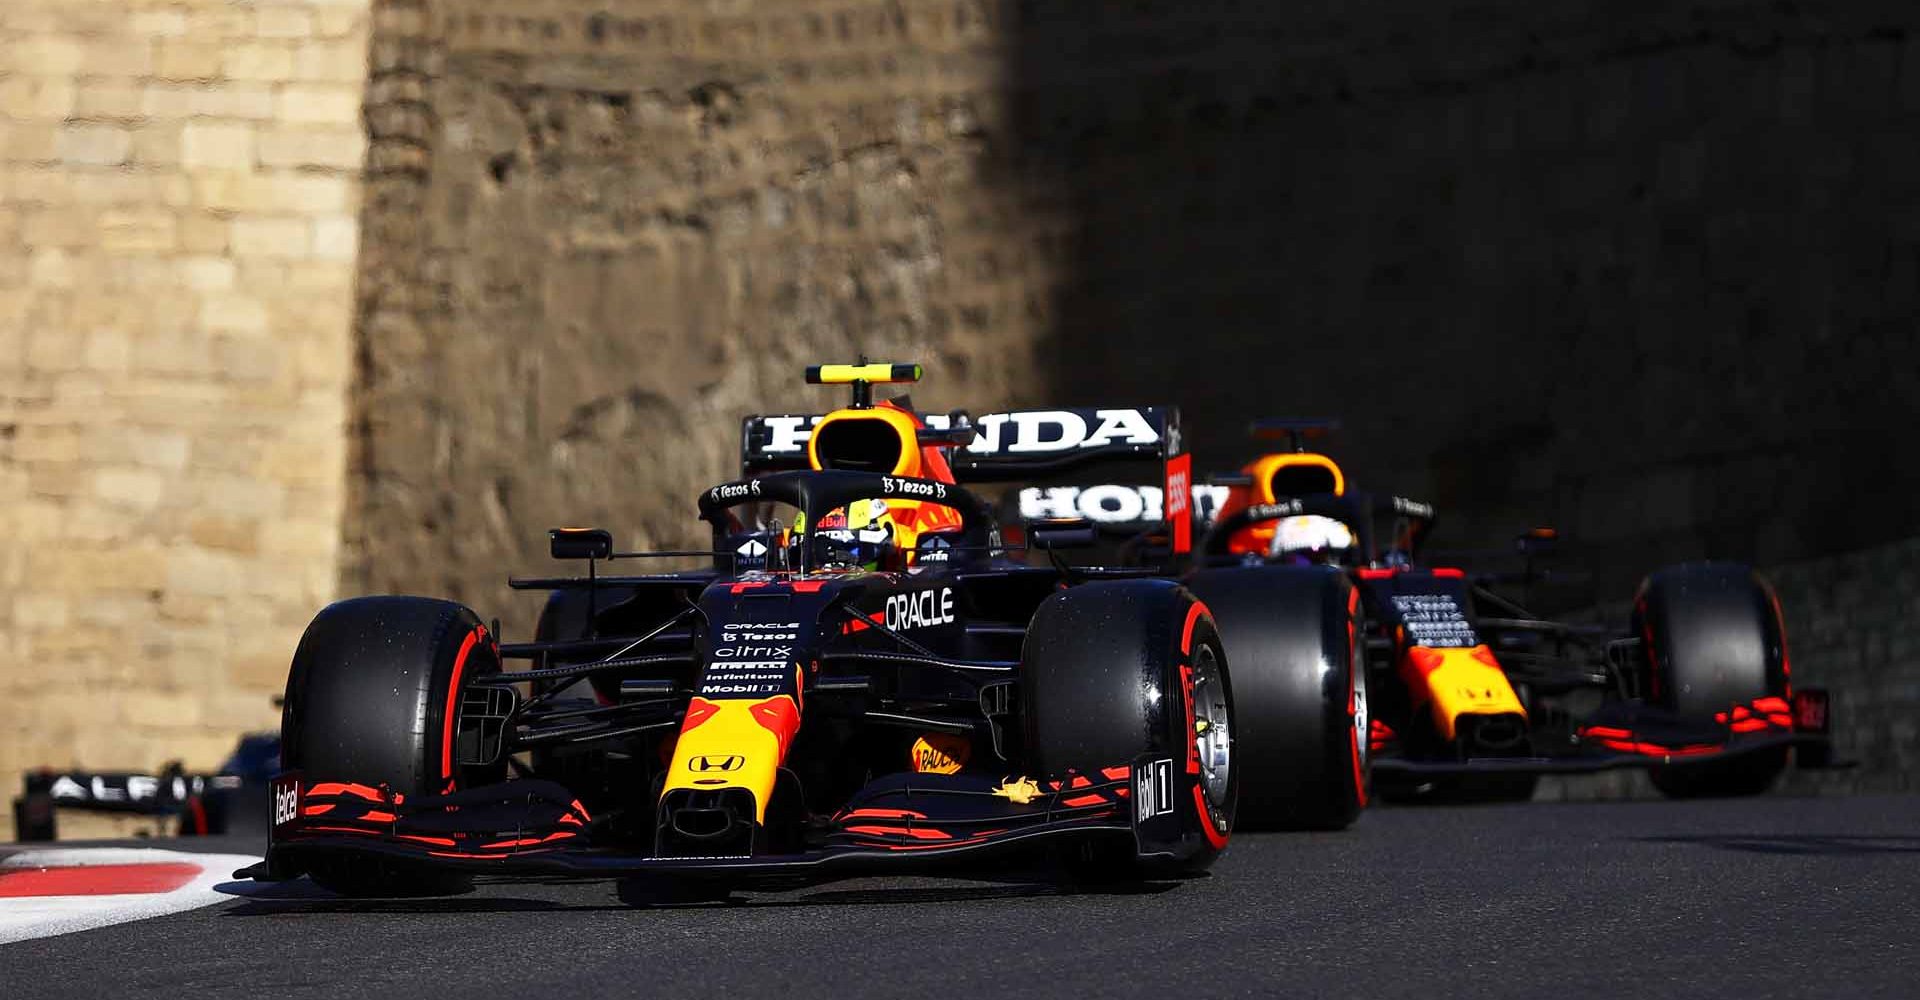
(1302, 480)
(859, 445)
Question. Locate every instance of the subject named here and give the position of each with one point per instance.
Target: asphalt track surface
(1749, 899)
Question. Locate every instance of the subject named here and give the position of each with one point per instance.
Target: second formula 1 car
(226, 802)
(860, 679)
(1469, 693)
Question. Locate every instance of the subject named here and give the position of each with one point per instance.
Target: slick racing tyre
(1713, 639)
(368, 701)
(1116, 671)
(1299, 678)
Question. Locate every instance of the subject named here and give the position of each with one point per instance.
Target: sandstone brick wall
(1646, 274)
(599, 233)
(179, 189)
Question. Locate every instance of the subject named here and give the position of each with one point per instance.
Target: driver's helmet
(1310, 538)
(861, 535)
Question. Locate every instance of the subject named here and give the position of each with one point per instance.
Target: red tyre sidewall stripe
(1214, 835)
(1194, 613)
(1353, 704)
(1780, 619)
(451, 708)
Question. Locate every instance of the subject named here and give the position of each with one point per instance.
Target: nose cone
(733, 740)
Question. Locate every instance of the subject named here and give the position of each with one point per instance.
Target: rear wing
(1388, 528)
(1113, 466)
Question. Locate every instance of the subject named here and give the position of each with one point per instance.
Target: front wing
(535, 829)
(1636, 736)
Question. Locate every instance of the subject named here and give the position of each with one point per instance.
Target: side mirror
(958, 433)
(1536, 541)
(1061, 533)
(580, 543)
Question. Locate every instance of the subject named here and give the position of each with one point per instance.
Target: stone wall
(1649, 275)
(1648, 272)
(1851, 627)
(599, 233)
(179, 186)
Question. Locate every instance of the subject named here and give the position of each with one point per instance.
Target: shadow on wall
(1646, 272)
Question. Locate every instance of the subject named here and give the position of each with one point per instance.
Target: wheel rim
(1362, 732)
(1212, 731)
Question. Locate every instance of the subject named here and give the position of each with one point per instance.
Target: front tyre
(1713, 639)
(1119, 671)
(372, 699)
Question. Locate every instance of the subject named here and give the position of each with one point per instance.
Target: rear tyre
(1119, 670)
(1300, 684)
(1713, 639)
(369, 700)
